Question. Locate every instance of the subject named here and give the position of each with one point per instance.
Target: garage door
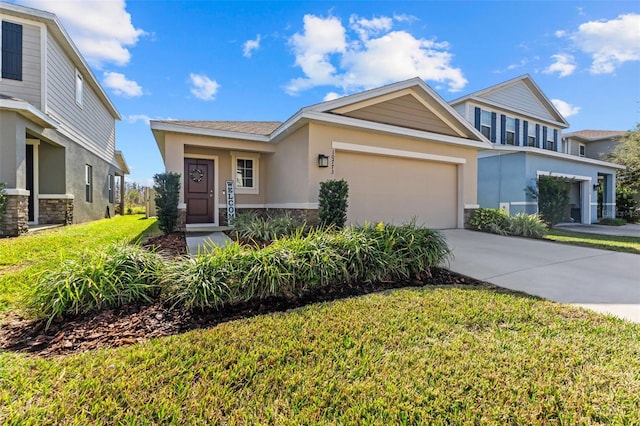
(395, 190)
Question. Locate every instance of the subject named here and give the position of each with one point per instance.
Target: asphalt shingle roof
(593, 135)
(264, 128)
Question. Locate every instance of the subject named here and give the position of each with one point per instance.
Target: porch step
(205, 227)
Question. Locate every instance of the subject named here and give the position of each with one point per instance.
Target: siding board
(519, 97)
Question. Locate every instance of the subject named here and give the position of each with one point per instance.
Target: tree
(167, 187)
(553, 195)
(627, 153)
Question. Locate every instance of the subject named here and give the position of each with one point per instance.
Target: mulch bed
(137, 323)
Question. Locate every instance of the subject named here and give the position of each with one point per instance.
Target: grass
(605, 242)
(23, 257)
(411, 356)
(436, 355)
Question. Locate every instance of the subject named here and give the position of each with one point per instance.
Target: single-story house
(405, 153)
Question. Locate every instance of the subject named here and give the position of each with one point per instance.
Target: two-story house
(57, 126)
(525, 130)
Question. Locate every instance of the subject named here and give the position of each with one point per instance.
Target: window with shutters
(510, 131)
(11, 51)
(485, 123)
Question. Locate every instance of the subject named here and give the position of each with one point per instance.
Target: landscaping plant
(527, 225)
(552, 193)
(251, 226)
(490, 220)
(332, 203)
(121, 274)
(167, 187)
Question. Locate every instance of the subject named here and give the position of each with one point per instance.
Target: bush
(97, 280)
(527, 225)
(490, 220)
(553, 197)
(332, 203)
(251, 226)
(612, 222)
(626, 203)
(292, 266)
(167, 187)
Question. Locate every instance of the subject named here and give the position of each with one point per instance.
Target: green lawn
(435, 355)
(23, 257)
(605, 242)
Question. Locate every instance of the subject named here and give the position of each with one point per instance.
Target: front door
(199, 190)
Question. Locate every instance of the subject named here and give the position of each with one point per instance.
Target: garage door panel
(395, 190)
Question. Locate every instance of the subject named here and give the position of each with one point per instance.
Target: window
(79, 88)
(246, 172)
(88, 183)
(485, 124)
(550, 144)
(582, 150)
(110, 182)
(510, 131)
(11, 51)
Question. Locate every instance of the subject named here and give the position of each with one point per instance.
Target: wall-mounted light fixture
(323, 160)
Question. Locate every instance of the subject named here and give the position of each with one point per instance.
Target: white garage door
(395, 190)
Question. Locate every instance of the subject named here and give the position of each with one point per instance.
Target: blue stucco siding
(502, 179)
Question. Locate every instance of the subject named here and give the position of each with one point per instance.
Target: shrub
(96, 280)
(612, 221)
(527, 225)
(626, 203)
(293, 265)
(333, 203)
(553, 197)
(3, 205)
(167, 187)
(490, 220)
(251, 226)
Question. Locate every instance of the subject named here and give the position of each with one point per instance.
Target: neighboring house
(57, 126)
(402, 149)
(525, 129)
(597, 144)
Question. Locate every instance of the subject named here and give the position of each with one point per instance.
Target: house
(405, 153)
(525, 130)
(597, 144)
(57, 126)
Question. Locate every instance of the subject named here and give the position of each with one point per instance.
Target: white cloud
(564, 65)
(610, 43)
(564, 108)
(203, 87)
(134, 118)
(250, 46)
(374, 56)
(102, 30)
(331, 96)
(120, 85)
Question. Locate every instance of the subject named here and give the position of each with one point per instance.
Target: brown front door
(199, 190)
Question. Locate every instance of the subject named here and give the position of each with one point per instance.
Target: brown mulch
(137, 323)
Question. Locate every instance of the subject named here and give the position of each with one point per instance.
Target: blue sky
(206, 60)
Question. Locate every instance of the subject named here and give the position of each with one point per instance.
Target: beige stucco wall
(322, 136)
(287, 171)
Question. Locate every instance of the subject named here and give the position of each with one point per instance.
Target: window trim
(79, 88)
(255, 157)
(582, 150)
(483, 113)
(512, 132)
(88, 183)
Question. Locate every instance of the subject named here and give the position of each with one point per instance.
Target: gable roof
(59, 33)
(357, 110)
(594, 135)
(521, 95)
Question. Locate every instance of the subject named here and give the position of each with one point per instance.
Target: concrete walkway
(628, 230)
(604, 281)
(198, 242)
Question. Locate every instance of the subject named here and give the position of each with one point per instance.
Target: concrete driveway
(604, 281)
